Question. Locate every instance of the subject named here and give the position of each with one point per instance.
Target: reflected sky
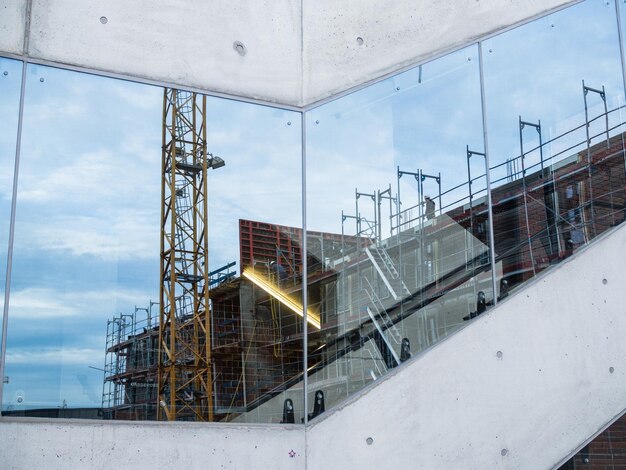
(10, 83)
(536, 72)
(422, 119)
(87, 239)
(425, 118)
(86, 236)
(262, 177)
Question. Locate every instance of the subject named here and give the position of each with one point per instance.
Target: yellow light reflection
(275, 292)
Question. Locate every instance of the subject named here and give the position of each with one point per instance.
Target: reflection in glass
(160, 230)
(85, 285)
(398, 252)
(555, 103)
(10, 82)
(85, 235)
(255, 220)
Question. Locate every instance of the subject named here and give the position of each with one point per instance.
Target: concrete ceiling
(287, 52)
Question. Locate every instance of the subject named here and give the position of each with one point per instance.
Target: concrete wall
(349, 42)
(90, 445)
(12, 24)
(520, 388)
(296, 51)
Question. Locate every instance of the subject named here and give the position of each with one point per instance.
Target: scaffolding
(130, 366)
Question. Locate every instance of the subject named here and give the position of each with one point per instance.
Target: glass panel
(398, 252)
(86, 236)
(10, 82)
(555, 106)
(255, 220)
(86, 277)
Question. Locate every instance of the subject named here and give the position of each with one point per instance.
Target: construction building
(378, 299)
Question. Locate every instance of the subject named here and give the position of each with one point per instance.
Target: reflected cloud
(132, 236)
(53, 356)
(88, 178)
(44, 303)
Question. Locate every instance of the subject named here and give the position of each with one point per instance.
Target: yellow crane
(184, 364)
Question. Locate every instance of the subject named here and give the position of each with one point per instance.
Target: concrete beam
(12, 26)
(350, 42)
(93, 445)
(296, 52)
(181, 42)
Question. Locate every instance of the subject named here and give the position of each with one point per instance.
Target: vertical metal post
(469, 179)
(618, 14)
(376, 218)
(379, 228)
(398, 202)
(586, 90)
(420, 196)
(358, 216)
(243, 376)
(525, 196)
(483, 102)
(621, 49)
(537, 127)
(380, 196)
(540, 145)
(606, 117)
(470, 154)
(305, 292)
(420, 203)
(9, 266)
(343, 254)
(391, 201)
(439, 184)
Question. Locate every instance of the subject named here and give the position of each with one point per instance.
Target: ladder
(386, 268)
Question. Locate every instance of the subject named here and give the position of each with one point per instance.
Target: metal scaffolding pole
(602, 94)
(525, 197)
(380, 195)
(470, 154)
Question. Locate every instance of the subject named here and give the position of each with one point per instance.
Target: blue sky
(401, 122)
(87, 227)
(10, 82)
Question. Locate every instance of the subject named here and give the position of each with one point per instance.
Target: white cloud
(53, 356)
(133, 235)
(46, 303)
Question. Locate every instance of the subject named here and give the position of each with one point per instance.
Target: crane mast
(184, 366)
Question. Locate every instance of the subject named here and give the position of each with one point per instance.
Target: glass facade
(554, 106)
(10, 85)
(186, 257)
(84, 238)
(397, 257)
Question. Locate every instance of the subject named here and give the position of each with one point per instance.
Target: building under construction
(373, 301)
(256, 341)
